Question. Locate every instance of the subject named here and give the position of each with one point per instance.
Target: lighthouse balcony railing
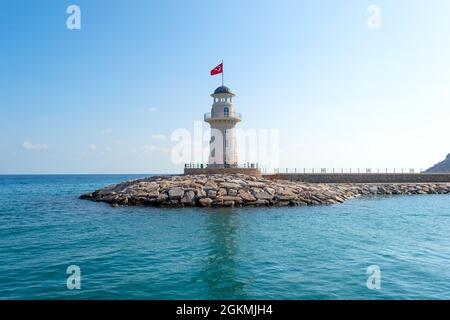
(232, 115)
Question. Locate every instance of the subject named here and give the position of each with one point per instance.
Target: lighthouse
(223, 119)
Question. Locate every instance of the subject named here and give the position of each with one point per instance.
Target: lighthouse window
(226, 112)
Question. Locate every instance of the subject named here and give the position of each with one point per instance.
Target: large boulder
(230, 198)
(205, 202)
(229, 185)
(176, 194)
(246, 196)
(189, 198)
(212, 194)
(262, 195)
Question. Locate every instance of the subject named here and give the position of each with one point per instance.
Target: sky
(107, 98)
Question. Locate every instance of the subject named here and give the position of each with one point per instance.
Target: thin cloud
(152, 148)
(93, 147)
(152, 109)
(159, 136)
(149, 148)
(27, 145)
(107, 131)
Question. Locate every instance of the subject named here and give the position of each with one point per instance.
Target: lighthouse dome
(223, 89)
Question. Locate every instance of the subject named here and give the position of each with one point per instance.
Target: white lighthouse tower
(223, 119)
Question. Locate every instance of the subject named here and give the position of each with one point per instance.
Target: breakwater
(237, 190)
(362, 177)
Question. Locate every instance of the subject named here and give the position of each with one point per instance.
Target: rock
(110, 198)
(162, 197)
(217, 202)
(205, 202)
(229, 198)
(153, 194)
(262, 195)
(338, 199)
(316, 200)
(89, 195)
(246, 196)
(174, 203)
(229, 185)
(176, 194)
(212, 194)
(297, 203)
(228, 203)
(259, 203)
(239, 182)
(285, 197)
(282, 203)
(269, 190)
(373, 190)
(256, 184)
(189, 197)
(201, 193)
(210, 185)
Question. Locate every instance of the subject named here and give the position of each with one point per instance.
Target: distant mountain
(443, 166)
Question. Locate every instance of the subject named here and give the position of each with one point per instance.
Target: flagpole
(222, 73)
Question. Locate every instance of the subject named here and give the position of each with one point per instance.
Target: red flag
(217, 70)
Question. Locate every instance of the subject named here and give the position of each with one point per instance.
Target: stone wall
(361, 177)
(247, 171)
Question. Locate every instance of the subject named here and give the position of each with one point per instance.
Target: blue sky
(106, 98)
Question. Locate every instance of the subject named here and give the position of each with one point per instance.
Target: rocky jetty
(237, 190)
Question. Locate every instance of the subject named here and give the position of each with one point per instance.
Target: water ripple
(261, 253)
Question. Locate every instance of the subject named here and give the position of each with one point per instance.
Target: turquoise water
(260, 253)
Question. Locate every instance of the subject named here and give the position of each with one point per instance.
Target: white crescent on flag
(217, 70)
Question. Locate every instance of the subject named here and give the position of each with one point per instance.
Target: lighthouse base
(213, 170)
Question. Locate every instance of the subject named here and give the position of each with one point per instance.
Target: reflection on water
(220, 268)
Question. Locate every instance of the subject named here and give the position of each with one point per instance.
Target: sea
(55, 246)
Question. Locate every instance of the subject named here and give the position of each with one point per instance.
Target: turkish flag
(217, 70)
